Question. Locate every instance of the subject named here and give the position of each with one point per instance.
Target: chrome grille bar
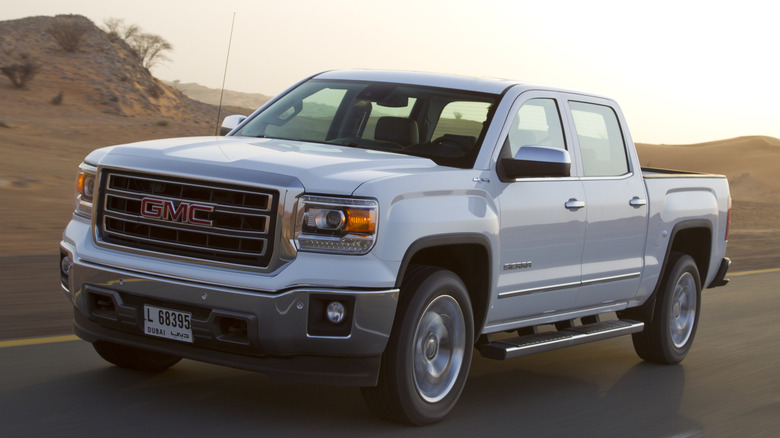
(232, 224)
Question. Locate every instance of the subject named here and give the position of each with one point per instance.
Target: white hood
(320, 168)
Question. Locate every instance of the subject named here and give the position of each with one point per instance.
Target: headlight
(85, 189)
(336, 225)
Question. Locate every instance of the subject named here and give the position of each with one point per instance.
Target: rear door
(616, 205)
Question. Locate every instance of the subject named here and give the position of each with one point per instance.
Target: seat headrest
(399, 130)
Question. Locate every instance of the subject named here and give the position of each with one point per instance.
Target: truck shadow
(644, 401)
(539, 396)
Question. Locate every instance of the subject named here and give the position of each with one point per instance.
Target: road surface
(728, 386)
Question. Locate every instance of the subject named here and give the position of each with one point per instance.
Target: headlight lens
(337, 225)
(85, 189)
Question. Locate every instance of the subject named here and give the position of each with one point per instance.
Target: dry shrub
(68, 33)
(21, 72)
(150, 48)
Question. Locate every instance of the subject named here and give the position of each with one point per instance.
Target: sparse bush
(68, 33)
(162, 122)
(150, 48)
(22, 72)
(117, 29)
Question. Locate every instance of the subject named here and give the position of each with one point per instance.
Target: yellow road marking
(36, 341)
(760, 271)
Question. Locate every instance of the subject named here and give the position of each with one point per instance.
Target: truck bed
(656, 172)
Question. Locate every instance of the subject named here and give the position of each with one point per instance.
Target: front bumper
(280, 334)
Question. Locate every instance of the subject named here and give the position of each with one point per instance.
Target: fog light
(65, 266)
(336, 312)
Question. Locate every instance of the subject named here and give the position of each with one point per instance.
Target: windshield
(444, 125)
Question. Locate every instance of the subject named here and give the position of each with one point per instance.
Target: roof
(481, 85)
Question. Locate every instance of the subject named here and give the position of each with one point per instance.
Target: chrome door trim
(569, 285)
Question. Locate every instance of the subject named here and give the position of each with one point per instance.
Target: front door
(542, 225)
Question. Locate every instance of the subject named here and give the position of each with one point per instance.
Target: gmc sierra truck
(374, 229)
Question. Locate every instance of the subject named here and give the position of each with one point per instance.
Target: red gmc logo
(168, 211)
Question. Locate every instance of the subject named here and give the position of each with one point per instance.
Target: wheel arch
(695, 239)
(467, 255)
(692, 237)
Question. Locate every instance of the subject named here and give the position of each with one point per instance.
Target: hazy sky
(682, 71)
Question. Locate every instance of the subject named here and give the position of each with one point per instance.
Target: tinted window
(601, 141)
(313, 119)
(444, 125)
(380, 111)
(537, 123)
(462, 118)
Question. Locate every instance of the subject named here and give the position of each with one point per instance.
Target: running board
(546, 341)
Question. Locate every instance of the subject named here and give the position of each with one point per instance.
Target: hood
(320, 168)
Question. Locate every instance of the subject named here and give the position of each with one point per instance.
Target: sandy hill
(236, 99)
(749, 162)
(103, 75)
(107, 97)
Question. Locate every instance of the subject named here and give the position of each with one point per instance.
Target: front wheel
(428, 356)
(669, 333)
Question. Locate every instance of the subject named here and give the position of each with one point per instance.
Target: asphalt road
(728, 386)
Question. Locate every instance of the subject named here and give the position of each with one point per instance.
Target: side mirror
(230, 123)
(536, 162)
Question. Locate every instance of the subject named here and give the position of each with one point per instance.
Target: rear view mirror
(536, 162)
(230, 123)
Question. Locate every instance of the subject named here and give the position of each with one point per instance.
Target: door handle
(574, 204)
(637, 202)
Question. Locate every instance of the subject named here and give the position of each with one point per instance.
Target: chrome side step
(546, 341)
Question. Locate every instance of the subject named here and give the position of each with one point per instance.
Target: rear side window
(601, 141)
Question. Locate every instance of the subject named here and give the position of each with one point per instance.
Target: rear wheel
(133, 357)
(427, 360)
(669, 333)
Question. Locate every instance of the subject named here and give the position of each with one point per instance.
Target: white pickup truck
(374, 228)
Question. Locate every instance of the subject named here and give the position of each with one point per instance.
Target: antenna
(224, 75)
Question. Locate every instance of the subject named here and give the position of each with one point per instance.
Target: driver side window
(537, 123)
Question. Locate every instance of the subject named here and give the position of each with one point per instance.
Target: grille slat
(187, 218)
(260, 230)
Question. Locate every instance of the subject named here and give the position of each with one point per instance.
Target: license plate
(167, 323)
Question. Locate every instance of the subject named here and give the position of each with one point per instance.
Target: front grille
(188, 218)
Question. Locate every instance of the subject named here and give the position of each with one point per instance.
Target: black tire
(427, 359)
(133, 357)
(669, 333)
